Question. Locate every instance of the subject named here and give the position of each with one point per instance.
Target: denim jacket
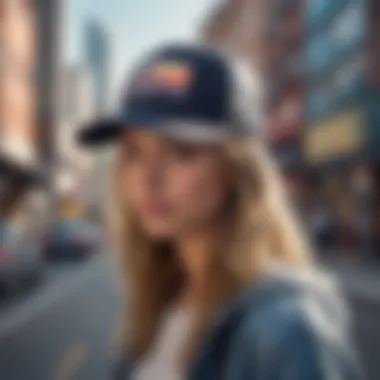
(293, 326)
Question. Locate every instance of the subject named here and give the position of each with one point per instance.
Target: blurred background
(63, 63)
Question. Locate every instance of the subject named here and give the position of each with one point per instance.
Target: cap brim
(108, 130)
(100, 132)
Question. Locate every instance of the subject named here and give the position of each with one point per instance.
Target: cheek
(199, 192)
(132, 190)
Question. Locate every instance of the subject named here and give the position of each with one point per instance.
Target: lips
(157, 210)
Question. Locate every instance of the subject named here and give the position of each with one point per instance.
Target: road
(67, 328)
(367, 334)
(362, 285)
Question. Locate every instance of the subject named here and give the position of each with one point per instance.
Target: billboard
(340, 136)
(17, 76)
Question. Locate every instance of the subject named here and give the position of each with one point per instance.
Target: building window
(319, 53)
(340, 89)
(316, 9)
(350, 78)
(319, 101)
(348, 26)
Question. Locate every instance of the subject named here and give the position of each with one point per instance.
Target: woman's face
(172, 188)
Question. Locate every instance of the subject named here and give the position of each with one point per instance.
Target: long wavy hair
(258, 227)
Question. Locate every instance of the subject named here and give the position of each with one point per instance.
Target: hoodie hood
(319, 291)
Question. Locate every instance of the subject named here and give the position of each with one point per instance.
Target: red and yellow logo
(165, 76)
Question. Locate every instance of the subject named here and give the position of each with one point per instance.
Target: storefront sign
(17, 76)
(340, 136)
(71, 209)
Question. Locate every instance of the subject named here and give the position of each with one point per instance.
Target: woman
(219, 281)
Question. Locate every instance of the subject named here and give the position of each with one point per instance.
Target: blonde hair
(258, 227)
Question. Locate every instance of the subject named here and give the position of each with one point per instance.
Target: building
(84, 178)
(285, 78)
(238, 26)
(51, 42)
(18, 128)
(341, 145)
(77, 107)
(66, 101)
(17, 91)
(97, 58)
(374, 37)
(51, 18)
(269, 35)
(73, 164)
(99, 194)
(373, 137)
(78, 95)
(374, 78)
(320, 60)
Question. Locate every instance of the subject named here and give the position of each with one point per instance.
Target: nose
(154, 174)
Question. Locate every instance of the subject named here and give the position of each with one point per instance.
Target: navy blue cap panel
(182, 83)
(210, 95)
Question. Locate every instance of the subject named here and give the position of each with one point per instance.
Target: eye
(131, 153)
(184, 152)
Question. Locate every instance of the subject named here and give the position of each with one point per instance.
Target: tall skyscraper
(78, 95)
(51, 37)
(50, 61)
(97, 57)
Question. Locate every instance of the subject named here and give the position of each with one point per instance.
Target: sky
(134, 26)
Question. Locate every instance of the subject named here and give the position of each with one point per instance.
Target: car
(21, 261)
(71, 239)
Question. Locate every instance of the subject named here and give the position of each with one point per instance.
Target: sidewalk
(360, 278)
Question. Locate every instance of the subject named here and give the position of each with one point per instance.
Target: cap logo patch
(169, 77)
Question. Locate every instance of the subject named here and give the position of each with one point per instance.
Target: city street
(67, 328)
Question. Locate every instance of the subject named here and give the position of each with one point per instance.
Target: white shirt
(163, 360)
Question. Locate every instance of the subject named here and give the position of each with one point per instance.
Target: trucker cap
(186, 91)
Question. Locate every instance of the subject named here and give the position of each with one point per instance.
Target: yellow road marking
(70, 362)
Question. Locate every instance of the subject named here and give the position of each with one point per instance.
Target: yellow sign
(336, 137)
(71, 210)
